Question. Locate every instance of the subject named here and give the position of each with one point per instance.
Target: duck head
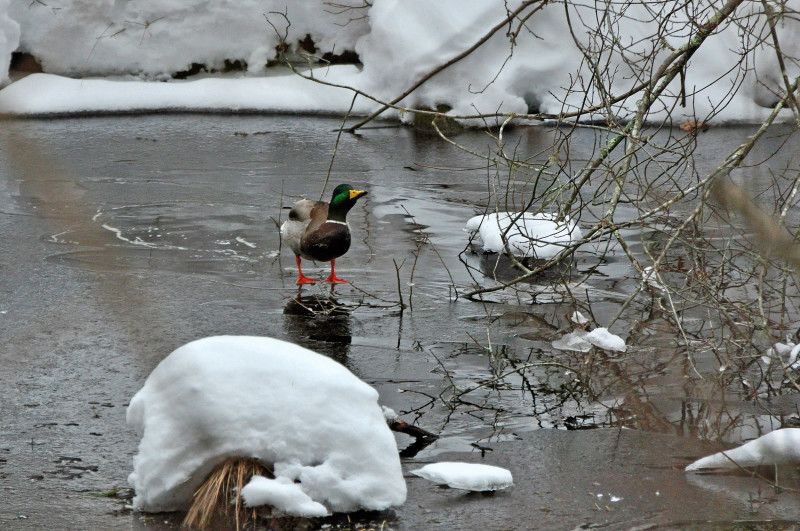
(342, 200)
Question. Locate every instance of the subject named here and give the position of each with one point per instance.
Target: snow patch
(582, 341)
(389, 414)
(528, 235)
(777, 447)
(578, 318)
(466, 476)
(304, 414)
(785, 353)
(602, 338)
(283, 494)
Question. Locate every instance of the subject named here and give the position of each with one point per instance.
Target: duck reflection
(500, 267)
(320, 323)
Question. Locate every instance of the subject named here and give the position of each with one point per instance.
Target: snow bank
(546, 59)
(150, 37)
(307, 416)
(777, 447)
(466, 476)
(61, 95)
(9, 40)
(528, 235)
(733, 77)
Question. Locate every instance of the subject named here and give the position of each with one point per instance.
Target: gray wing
(299, 217)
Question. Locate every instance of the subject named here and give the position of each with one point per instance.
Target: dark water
(124, 238)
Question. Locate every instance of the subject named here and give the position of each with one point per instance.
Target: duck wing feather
(300, 216)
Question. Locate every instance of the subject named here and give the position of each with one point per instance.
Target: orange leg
(302, 279)
(332, 279)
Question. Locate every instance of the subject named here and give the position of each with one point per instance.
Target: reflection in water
(320, 323)
(746, 486)
(498, 266)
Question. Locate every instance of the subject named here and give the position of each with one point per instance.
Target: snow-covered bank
(43, 94)
(733, 77)
(305, 416)
(151, 38)
(9, 40)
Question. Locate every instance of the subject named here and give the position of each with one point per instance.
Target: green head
(343, 199)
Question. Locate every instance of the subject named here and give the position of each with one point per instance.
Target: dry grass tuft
(220, 493)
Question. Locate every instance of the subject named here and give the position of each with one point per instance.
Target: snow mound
(528, 235)
(305, 415)
(466, 476)
(582, 341)
(9, 40)
(778, 447)
(283, 494)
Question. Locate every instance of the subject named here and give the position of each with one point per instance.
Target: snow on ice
(582, 341)
(307, 416)
(529, 235)
(785, 353)
(777, 447)
(466, 476)
(397, 42)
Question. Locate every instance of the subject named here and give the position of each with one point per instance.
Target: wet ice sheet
(88, 315)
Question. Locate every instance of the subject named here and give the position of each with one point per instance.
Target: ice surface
(466, 476)
(528, 235)
(777, 447)
(283, 494)
(575, 341)
(733, 77)
(304, 414)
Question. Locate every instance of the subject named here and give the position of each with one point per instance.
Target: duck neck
(338, 213)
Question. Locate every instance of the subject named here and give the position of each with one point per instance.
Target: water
(126, 237)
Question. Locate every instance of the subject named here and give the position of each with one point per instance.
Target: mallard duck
(317, 230)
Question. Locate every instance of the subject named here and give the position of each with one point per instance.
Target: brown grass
(220, 493)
